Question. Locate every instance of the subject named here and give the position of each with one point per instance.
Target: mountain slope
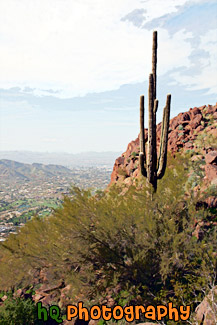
(10, 169)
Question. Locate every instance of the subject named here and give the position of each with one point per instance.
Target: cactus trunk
(154, 63)
(150, 160)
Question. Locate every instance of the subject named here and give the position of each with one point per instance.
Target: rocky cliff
(193, 131)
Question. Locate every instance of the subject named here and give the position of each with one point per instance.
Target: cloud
(81, 46)
(200, 21)
(206, 76)
(194, 16)
(137, 17)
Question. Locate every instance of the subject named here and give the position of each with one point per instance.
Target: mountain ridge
(15, 169)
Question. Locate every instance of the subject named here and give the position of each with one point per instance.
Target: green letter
(54, 313)
(42, 310)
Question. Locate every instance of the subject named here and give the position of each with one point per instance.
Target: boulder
(211, 157)
(196, 121)
(4, 298)
(206, 311)
(211, 173)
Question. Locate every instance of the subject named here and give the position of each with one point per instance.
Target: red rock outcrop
(206, 311)
(184, 129)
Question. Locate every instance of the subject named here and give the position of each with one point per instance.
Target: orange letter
(71, 315)
(129, 314)
(115, 312)
(82, 310)
(186, 312)
(137, 309)
(173, 311)
(160, 314)
(92, 312)
(108, 311)
(150, 314)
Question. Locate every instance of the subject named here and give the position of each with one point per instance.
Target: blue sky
(72, 71)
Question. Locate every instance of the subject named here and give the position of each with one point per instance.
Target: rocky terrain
(194, 131)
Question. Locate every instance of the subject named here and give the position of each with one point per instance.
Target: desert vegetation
(120, 245)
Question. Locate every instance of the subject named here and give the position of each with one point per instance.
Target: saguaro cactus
(153, 169)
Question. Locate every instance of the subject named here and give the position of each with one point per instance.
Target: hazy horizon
(83, 159)
(64, 152)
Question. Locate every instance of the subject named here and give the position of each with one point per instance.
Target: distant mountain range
(85, 159)
(15, 170)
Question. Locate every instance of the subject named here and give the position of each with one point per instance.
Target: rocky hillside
(194, 131)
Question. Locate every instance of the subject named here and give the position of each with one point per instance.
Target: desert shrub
(205, 141)
(122, 171)
(134, 154)
(17, 311)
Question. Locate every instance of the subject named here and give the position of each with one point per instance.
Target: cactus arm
(142, 156)
(164, 140)
(161, 136)
(142, 165)
(154, 63)
(155, 106)
(142, 123)
(155, 145)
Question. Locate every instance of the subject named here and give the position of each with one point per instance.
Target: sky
(72, 71)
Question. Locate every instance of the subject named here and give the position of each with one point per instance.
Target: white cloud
(206, 76)
(82, 46)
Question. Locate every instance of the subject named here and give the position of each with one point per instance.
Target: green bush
(122, 171)
(17, 311)
(134, 154)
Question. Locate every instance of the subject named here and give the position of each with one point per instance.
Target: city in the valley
(27, 190)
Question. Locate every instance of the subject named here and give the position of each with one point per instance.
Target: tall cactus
(153, 169)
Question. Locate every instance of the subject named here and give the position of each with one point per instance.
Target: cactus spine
(153, 169)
